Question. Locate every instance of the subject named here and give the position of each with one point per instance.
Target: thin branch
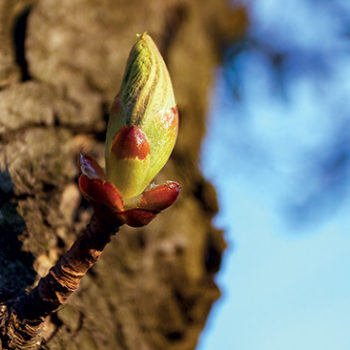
(21, 319)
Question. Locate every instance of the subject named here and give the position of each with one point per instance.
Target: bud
(141, 134)
(143, 122)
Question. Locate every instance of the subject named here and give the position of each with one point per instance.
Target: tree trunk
(60, 66)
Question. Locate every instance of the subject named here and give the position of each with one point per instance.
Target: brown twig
(21, 319)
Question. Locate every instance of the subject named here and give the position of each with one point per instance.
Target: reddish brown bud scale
(99, 191)
(108, 202)
(90, 167)
(138, 217)
(130, 142)
(160, 197)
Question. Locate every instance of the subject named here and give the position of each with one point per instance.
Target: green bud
(143, 118)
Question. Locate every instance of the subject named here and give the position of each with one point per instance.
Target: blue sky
(284, 277)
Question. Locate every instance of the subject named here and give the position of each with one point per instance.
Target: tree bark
(60, 67)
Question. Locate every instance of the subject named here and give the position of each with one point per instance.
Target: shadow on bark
(19, 36)
(13, 261)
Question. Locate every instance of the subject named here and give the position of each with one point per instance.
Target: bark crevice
(19, 37)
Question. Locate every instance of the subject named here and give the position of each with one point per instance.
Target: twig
(21, 319)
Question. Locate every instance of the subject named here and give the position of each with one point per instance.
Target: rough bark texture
(60, 66)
